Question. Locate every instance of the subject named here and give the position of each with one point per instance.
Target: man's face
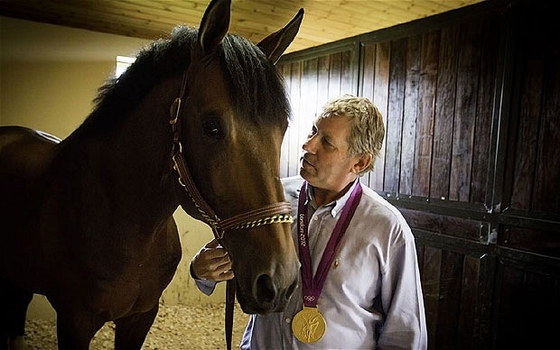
(325, 163)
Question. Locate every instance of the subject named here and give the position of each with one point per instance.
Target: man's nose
(309, 145)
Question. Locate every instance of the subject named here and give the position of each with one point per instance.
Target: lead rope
(230, 303)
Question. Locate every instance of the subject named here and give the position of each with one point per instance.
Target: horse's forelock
(256, 85)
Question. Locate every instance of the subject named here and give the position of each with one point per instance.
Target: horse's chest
(133, 285)
(136, 291)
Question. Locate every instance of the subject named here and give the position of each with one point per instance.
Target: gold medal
(308, 325)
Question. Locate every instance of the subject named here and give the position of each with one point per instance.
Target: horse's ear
(214, 25)
(276, 43)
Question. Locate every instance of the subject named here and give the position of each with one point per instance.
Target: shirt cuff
(204, 285)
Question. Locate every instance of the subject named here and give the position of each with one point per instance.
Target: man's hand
(212, 263)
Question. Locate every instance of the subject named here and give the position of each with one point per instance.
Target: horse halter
(275, 213)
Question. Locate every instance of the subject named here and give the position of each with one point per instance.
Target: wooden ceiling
(324, 20)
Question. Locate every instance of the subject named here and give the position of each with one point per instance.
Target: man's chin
(304, 173)
(311, 178)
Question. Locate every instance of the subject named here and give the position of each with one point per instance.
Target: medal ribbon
(312, 286)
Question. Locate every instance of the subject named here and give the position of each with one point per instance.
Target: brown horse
(87, 221)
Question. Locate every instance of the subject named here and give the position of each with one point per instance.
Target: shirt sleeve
(205, 286)
(247, 335)
(403, 303)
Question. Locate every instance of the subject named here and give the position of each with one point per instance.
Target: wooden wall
(471, 101)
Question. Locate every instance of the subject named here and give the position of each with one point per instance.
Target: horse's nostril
(266, 290)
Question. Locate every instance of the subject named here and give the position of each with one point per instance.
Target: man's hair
(366, 125)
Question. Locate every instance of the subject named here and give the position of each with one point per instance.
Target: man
(360, 284)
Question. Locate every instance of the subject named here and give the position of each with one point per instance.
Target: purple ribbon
(312, 286)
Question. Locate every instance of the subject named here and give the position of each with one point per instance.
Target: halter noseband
(275, 213)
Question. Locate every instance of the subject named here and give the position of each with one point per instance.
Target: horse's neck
(122, 176)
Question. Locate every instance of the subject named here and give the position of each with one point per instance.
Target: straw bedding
(176, 327)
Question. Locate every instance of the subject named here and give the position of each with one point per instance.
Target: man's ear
(363, 162)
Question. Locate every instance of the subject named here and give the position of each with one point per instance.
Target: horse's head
(233, 122)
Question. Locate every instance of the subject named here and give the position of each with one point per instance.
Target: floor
(176, 327)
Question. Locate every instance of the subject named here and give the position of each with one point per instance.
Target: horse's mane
(255, 84)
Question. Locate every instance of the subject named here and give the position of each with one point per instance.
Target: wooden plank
(410, 116)
(375, 85)
(430, 274)
(310, 91)
(150, 11)
(296, 93)
(280, 10)
(542, 242)
(465, 113)
(527, 134)
(421, 7)
(445, 224)
(395, 115)
(480, 180)
(381, 100)
(323, 70)
(368, 71)
(113, 13)
(546, 195)
(426, 111)
(468, 302)
(335, 69)
(347, 85)
(366, 90)
(285, 69)
(483, 306)
(541, 40)
(67, 16)
(449, 294)
(445, 103)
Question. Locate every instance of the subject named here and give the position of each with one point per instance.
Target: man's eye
(327, 143)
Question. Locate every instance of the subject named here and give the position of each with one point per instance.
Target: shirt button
(288, 320)
(315, 217)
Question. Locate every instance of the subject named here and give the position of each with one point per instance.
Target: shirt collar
(336, 205)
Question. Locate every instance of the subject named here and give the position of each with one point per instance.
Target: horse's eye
(213, 129)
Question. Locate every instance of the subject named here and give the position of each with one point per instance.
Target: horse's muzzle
(265, 297)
